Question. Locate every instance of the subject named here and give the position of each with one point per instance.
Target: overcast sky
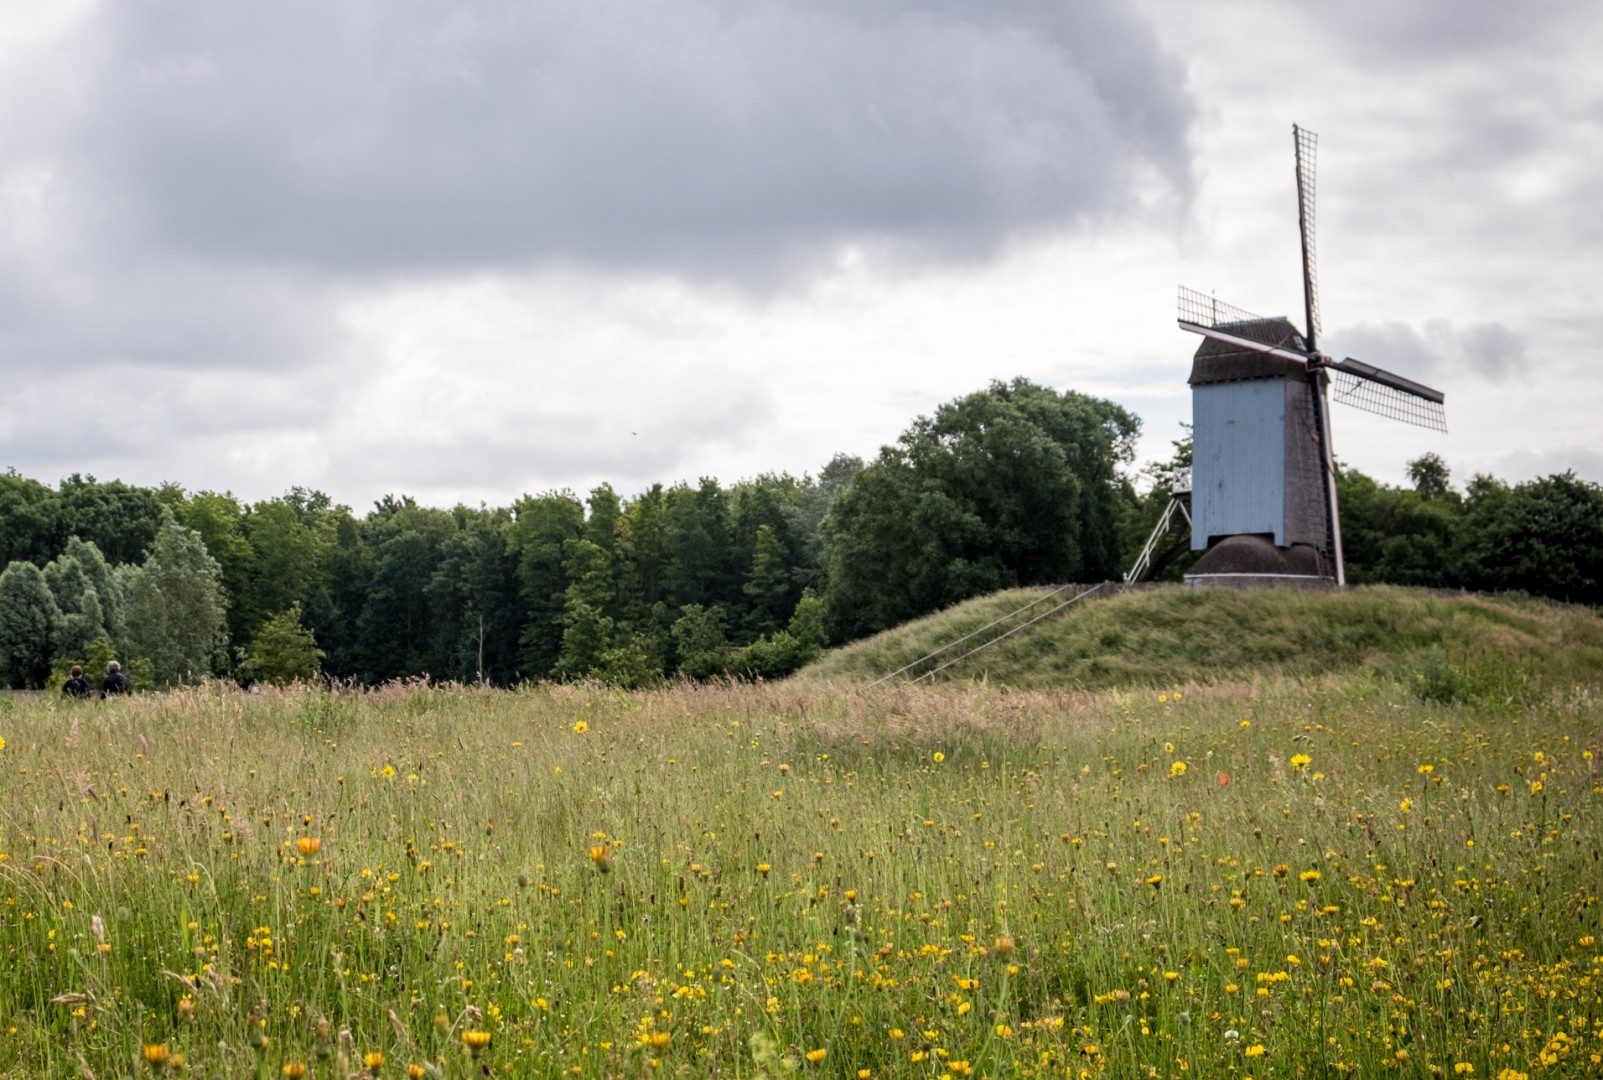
(471, 250)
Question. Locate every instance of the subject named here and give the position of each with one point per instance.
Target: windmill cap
(1221, 361)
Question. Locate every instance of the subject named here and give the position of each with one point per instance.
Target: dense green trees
(1544, 536)
(1012, 485)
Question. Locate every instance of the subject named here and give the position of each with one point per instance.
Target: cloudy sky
(473, 249)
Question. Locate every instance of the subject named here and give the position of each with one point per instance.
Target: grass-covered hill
(1450, 646)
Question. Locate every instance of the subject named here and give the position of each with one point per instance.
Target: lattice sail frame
(1198, 309)
(1388, 401)
(1307, 155)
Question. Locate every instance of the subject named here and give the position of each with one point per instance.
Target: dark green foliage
(700, 646)
(1014, 485)
(28, 624)
(540, 531)
(30, 513)
(284, 651)
(118, 519)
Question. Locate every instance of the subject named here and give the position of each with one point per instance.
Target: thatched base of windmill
(1248, 562)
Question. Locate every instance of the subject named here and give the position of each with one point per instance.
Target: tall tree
(540, 531)
(119, 519)
(1013, 485)
(284, 651)
(30, 515)
(177, 611)
(28, 623)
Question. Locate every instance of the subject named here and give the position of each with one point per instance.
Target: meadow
(1271, 877)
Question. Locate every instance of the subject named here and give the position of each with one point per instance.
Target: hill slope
(1452, 646)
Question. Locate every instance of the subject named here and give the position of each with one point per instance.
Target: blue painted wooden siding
(1238, 482)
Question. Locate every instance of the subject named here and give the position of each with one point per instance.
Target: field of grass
(1498, 646)
(1262, 878)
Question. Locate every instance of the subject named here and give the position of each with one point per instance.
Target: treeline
(1013, 485)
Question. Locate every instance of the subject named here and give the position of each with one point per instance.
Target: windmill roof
(1220, 361)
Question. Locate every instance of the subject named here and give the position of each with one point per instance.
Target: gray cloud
(710, 138)
(1489, 350)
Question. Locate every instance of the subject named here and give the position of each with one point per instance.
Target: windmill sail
(1378, 391)
(1207, 315)
(1307, 147)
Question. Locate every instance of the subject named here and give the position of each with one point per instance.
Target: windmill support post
(1322, 415)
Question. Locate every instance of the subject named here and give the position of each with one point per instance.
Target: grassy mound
(1450, 647)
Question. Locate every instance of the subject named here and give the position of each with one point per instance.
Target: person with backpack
(76, 686)
(115, 681)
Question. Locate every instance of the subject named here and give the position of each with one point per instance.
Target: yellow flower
(1255, 1050)
(601, 855)
(1004, 945)
(388, 772)
(415, 1071)
(1308, 875)
(294, 1069)
(374, 1061)
(763, 868)
(2, 742)
(1300, 761)
(475, 1040)
(308, 846)
(937, 757)
(157, 1054)
(658, 1040)
(1155, 880)
(815, 1057)
(580, 727)
(1177, 768)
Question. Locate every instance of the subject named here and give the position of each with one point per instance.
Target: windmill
(1263, 479)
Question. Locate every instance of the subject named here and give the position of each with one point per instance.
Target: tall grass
(1265, 878)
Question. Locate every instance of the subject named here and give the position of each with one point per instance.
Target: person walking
(115, 681)
(77, 686)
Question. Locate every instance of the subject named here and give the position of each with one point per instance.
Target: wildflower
(937, 757)
(658, 1040)
(1536, 787)
(1300, 761)
(1156, 880)
(388, 772)
(815, 1057)
(295, 1070)
(1254, 1051)
(374, 1060)
(580, 727)
(475, 1041)
(764, 868)
(415, 1071)
(1170, 977)
(308, 846)
(601, 855)
(1309, 876)
(157, 1055)
(1004, 945)
(1177, 768)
